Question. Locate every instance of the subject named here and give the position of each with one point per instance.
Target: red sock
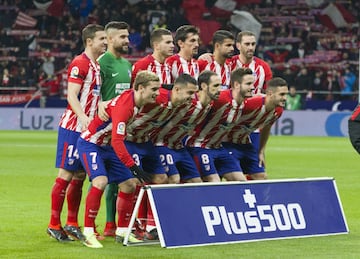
(57, 200)
(92, 206)
(74, 193)
(142, 212)
(150, 216)
(125, 206)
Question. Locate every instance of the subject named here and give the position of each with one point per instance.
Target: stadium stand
(39, 37)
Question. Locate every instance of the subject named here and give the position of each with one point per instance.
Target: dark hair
(116, 25)
(89, 32)
(244, 33)
(238, 74)
(185, 79)
(221, 35)
(204, 77)
(183, 31)
(156, 35)
(276, 82)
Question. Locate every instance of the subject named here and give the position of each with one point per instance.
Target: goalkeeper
(106, 159)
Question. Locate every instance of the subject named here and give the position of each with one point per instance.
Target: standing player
(116, 76)
(107, 163)
(354, 128)
(258, 112)
(84, 85)
(162, 43)
(246, 44)
(223, 43)
(212, 159)
(168, 139)
(187, 41)
(115, 69)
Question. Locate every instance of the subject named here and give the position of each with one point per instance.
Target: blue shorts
(214, 161)
(255, 139)
(145, 156)
(178, 161)
(67, 156)
(102, 161)
(247, 156)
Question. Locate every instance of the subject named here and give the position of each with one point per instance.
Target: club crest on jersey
(121, 128)
(74, 73)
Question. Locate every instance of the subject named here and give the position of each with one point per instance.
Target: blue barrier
(233, 212)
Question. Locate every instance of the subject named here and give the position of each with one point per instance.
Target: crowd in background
(321, 64)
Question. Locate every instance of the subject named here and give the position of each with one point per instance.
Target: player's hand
(102, 111)
(140, 174)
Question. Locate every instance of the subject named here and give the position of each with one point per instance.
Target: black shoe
(58, 234)
(152, 235)
(74, 233)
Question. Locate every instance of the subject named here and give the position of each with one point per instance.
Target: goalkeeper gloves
(140, 174)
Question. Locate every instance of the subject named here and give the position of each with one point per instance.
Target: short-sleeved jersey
(260, 68)
(116, 75)
(224, 71)
(222, 117)
(152, 116)
(122, 111)
(150, 64)
(179, 65)
(355, 116)
(85, 72)
(181, 124)
(253, 116)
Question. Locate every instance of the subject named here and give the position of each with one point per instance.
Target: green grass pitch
(27, 174)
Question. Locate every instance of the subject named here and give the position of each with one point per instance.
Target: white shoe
(91, 241)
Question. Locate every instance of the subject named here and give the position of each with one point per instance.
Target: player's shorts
(247, 155)
(178, 161)
(102, 161)
(146, 156)
(354, 134)
(213, 161)
(67, 156)
(255, 138)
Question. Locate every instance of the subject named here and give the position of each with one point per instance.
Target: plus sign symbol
(249, 198)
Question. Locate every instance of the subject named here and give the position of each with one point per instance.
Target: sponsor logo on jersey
(121, 128)
(74, 73)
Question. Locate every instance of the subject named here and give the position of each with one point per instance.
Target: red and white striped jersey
(85, 72)
(182, 124)
(122, 111)
(222, 117)
(260, 68)
(152, 116)
(150, 64)
(253, 116)
(179, 65)
(224, 71)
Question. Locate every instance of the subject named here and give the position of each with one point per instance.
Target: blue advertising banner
(229, 212)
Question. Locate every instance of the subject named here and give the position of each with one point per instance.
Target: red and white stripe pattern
(220, 120)
(88, 75)
(150, 64)
(152, 117)
(253, 116)
(178, 65)
(224, 71)
(260, 68)
(182, 124)
(25, 20)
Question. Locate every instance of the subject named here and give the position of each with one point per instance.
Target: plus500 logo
(265, 218)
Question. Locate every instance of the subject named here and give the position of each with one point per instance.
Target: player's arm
(73, 100)
(264, 136)
(206, 56)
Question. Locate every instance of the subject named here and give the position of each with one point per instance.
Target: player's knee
(259, 176)
(174, 179)
(79, 175)
(160, 179)
(128, 186)
(65, 174)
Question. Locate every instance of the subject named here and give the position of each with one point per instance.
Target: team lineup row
(169, 118)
